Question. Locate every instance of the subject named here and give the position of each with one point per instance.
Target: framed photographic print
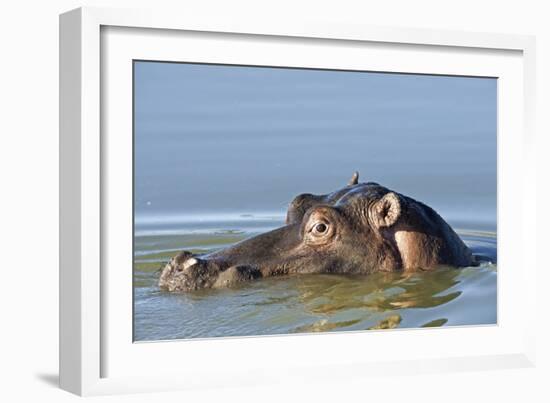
(251, 194)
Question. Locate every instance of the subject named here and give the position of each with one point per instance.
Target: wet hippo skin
(359, 229)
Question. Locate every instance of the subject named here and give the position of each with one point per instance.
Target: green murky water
(306, 303)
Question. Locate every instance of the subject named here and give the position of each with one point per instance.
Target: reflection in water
(309, 303)
(365, 297)
(378, 292)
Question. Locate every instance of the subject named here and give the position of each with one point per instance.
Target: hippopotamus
(359, 229)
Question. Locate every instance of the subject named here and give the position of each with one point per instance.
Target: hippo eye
(320, 228)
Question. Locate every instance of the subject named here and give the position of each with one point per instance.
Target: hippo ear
(354, 179)
(387, 210)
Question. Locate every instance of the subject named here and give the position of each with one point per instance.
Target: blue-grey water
(221, 150)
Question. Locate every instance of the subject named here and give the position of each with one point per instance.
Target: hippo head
(359, 229)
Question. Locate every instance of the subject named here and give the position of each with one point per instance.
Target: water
(220, 151)
(228, 139)
(306, 303)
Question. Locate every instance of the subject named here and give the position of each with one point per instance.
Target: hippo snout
(187, 272)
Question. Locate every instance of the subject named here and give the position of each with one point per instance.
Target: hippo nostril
(189, 262)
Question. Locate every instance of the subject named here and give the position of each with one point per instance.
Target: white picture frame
(96, 354)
